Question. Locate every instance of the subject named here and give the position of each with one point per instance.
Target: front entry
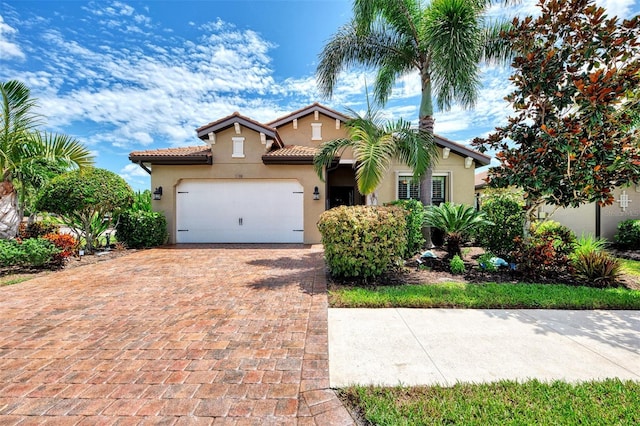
(343, 190)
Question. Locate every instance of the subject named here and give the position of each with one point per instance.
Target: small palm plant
(457, 221)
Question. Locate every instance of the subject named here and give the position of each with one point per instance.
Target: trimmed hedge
(509, 218)
(142, 229)
(415, 218)
(363, 241)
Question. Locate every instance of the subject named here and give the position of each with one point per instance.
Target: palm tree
(445, 41)
(28, 157)
(457, 221)
(375, 145)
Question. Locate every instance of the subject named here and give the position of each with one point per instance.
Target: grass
(485, 296)
(610, 401)
(631, 267)
(11, 280)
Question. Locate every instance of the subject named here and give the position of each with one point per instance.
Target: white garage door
(239, 211)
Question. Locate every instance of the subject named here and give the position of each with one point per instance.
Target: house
(252, 182)
(599, 221)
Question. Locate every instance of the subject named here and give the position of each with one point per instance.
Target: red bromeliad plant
(573, 138)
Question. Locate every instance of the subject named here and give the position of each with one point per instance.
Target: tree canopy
(574, 135)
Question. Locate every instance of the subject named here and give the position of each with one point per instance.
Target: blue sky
(131, 75)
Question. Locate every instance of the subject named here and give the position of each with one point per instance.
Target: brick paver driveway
(180, 335)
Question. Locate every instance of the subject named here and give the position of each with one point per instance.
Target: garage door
(239, 211)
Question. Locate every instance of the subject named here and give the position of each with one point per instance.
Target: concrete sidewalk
(445, 346)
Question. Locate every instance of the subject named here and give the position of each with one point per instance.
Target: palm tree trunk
(426, 123)
(9, 218)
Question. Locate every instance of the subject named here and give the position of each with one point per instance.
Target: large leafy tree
(444, 41)
(87, 200)
(573, 137)
(28, 157)
(375, 144)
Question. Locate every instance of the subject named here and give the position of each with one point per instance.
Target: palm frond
(328, 153)
(62, 149)
(416, 148)
(374, 152)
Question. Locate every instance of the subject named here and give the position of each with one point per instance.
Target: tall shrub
(507, 213)
(142, 229)
(363, 241)
(628, 235)
(415, 217)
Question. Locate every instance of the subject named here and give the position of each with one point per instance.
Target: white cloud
(619, 8)
(8, 48)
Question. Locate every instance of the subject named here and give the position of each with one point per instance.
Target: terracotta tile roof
(481, 179)
(290, 154)
(293, 151)
(182, 155)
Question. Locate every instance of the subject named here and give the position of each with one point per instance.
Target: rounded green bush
(363, 241)
(628, 235)
(507, 214)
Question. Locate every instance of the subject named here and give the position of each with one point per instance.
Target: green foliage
(628, 235)
(415, 219)
(141, 229)
(571, 140)
(544, 254)
(458, 222)
(485, 263)
(587, 244)
(363, 241)
(456, 265)
(597, 269)
(84, 198)
(33, 252)
(36, 229)
(508, 217)
(142, 201)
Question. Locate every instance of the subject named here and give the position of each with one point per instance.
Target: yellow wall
(460, 180)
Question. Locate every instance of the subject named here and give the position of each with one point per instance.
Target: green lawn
(610, 402)
(485, 296)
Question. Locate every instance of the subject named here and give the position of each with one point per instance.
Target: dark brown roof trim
(302, 112)
(172, 161)
(293, 159)
(236, 117)
(462, 150)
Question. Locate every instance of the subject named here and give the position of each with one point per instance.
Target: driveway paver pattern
(197, 334)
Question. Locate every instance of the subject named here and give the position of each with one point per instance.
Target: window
(316, 131)
(238, 147)
(407, 189)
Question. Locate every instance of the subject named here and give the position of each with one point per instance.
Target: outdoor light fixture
(316, 193)
(157, 194)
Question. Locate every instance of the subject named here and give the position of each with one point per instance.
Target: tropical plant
(597, 269)
(586, 244)
(572, 139)
(456, 221)
(375, 144)
(28, 157)
(88, 200)
(444, 41)
(415, 218)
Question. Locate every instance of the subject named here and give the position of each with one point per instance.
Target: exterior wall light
(316, 193)
(157, 194)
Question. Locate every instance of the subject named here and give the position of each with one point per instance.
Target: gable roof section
(462, 150)
(236, 117)
(174, 156)
(302, 112)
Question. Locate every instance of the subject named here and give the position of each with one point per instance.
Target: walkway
(233, 335)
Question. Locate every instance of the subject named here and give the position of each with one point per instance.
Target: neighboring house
(588, 218)
(254, 182)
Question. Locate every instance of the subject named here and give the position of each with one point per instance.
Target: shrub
(415, 218)
(597, 269)
(587, 244)
(508, 216)
(457, 221)
(363, 241)
(36, 229)
(32, 252)
(456, 265)
(140, 229)
(544, 254)
(628, 235)
(67, 246)
(485, 262)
